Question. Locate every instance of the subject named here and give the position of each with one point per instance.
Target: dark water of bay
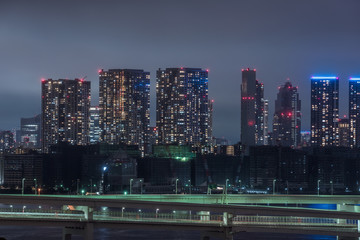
(49, 233)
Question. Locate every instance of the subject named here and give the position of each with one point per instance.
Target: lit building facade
(7, 141)
(287, 117)
(95, 131)
(354, 112)
(211, 109)
(182, 107)
(252, 109)
(124, 102)
(344, 132)
(266, 122)
(30, 132)
(324, 111)
(65, 112)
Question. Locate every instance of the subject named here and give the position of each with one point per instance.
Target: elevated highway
(214, 215)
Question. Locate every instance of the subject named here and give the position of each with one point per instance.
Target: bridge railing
(285, 220)
(204, 218)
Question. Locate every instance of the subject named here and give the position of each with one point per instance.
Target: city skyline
(281, 43)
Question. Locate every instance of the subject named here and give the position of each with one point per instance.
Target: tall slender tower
(248, 92)
(65, 112)
(252, 109)
(266, 122)
(324, 111)
(354, 112)
(211, 109)
(182, 106)
(124, 102)
(287, 117)
(95, 130)
(259, 114)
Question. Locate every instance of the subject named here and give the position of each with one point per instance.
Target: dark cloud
(280, 38)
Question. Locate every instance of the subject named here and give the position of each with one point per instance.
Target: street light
(35, 186)
(176, 185)
(189, 186)
(226, 185)
(332, 187)
(122, 212)
(141, 186)
(274, 181)
(318, 187)
(287, 187)
(102, 182)
(156, 213)
(22, 186)
(131, 180)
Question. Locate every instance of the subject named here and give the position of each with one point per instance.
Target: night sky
(280, 38)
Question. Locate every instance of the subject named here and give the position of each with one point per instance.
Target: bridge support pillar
(88, 211)
(227, 219)
(348, 208)
(87, 232)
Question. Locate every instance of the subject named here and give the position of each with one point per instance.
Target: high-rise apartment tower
(182, 106)
(354, 111)
(324, 111)
(65, 112)
(252, 110)
(124, 102)
(287, 117)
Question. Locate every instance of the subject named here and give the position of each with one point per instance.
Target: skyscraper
(31, 131)
(124, 101)
(182, 110)
(354, 111)
(324, 111)
(65, 112)
(287, 117)
(266, 122)
(252, 109)
(211, 110)
(260, 120)
(95, 130)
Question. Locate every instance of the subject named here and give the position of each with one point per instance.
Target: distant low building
(30, 132)
(7, 141)
(15, 168)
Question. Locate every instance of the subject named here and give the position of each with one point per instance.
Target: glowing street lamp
(189, 186)
(35, 185)
(141, 186)
(226, 185)
(131, 180)
(176, 186)
(122, 212)
(318, 187)
(274, 181)
(156, 213)
(22, 186)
